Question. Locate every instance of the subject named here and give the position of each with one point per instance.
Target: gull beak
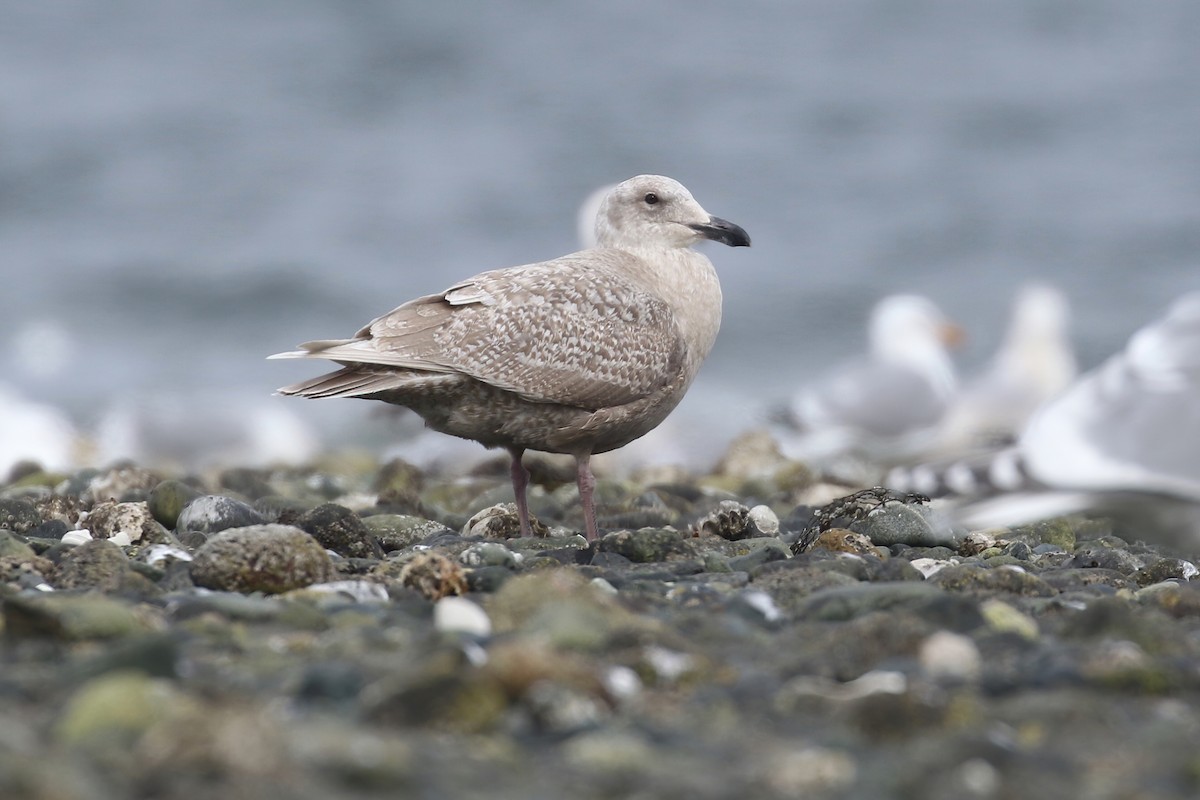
(724, 231)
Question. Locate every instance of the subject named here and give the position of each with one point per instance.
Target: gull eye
(651, 198)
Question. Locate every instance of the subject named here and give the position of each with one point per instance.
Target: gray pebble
(214, 512)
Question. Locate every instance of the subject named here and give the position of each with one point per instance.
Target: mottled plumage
(579, 355)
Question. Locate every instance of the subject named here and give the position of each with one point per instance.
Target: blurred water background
(187, 187)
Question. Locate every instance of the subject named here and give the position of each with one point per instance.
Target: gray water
(186, 187)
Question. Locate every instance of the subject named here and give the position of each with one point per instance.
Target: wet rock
(934, 604)
(62, 507)
(1175, 598)
(769, 549)
(1060, 532)
(11, 546)
(339, 529)
(28, 572)
(434, 576)
(19, 515)
(400, 531)
(444, 693)
(729, 520)
(261, 558)
(118, 708)
(1087, 579)
(488, 579)
(75, 617)
(214, 513)
(101, 565)
(560, 608)
(1094, 556)
(124, 524)
(488, 554)
(897, 524)
(841, 540)
(501, 522)
(50, 529)
(1163, 569)
(646, 545)
(1004, 618)
(976, 542)
(167, 500)
(976, 579)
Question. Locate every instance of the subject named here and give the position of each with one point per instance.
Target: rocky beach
(355, 629)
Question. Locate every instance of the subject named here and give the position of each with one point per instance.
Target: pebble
(648, 663)
(19, 515)
(167, 499)
(459, 615)
(946, 656)
(214, 513)
(74, 617)
(898, 524)
(339, 529)
(261, 558)
(124, 524)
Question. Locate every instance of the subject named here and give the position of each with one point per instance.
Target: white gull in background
(1129, 427)
(887, 402)
(1034, 363)
(578, 355)
(31, 431)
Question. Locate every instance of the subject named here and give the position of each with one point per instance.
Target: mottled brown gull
(581, 354)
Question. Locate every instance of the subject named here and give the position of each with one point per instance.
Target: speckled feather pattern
(581, 354)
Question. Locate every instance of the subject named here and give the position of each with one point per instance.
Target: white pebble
(668, 665)
(929, 566)
(603, 586)
(459, 615)
(622, 682)
(951, 656)
(157, 554)
(763, 603)
(357, 591)
(77, 537)
(765, 519)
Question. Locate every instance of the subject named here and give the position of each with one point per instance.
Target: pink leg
(520, 482)
(587, 485)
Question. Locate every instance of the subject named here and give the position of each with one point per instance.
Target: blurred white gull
(888, 402)
(1130, 426)
(1035, 362)
(32, 431)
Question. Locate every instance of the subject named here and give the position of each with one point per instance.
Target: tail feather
(351, 382)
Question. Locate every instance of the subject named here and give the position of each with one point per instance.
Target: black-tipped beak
(724, 231)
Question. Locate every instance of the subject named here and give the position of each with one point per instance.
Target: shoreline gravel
(331, 631)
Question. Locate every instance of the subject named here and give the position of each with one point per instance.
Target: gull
(581, 354)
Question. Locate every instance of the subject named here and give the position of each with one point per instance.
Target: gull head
(654, 211)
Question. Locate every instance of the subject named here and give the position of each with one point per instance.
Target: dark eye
(651, 198)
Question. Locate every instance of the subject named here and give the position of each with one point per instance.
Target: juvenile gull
(578, 355)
